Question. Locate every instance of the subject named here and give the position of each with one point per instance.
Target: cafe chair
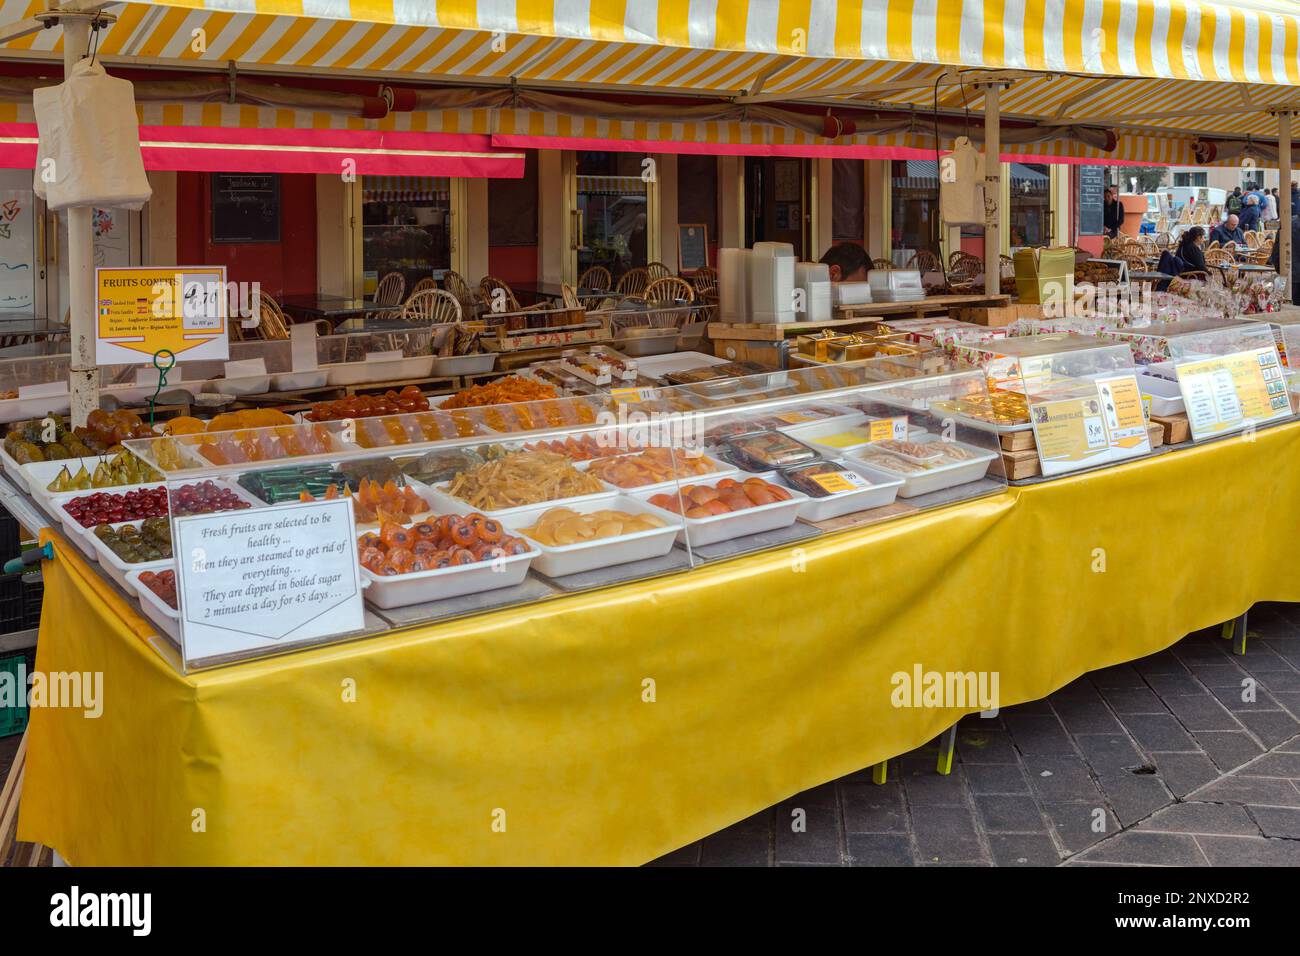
(657, 270)
(488, 286)
(390, 290)
(705, 281)
(669, 289)
(1006, 267)
(925, 261)
(1253, 239)
(455, 283)
(424, 285)
(597, 278)
(633, 282)
(964, 265)
(1222, 258)
(885, 264)
(431, 307)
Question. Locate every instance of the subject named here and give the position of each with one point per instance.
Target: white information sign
(267, 578)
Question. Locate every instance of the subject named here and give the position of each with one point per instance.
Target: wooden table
(334, 309)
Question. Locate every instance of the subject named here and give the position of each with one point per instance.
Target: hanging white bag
(961, 185)
(89, 152)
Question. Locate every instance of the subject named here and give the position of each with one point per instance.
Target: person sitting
(848, 262)
(1250, 213)
(1189, 250)
(1228, 231)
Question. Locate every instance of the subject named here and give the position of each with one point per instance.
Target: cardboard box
(1021, 464)
(1157, 434)
(991, 316)
(1018, 441)
(1176, 428)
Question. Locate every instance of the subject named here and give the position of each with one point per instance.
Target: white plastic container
(38, 474)
(733, 285)
(1166, 396)
(244, 385)
(932, 479)
(852, 293)
(297, 381)
(166, 617)
(420, 587)
(20, 409)
(117, 568)
(814, 278)
(721, 469)
(698, 532)
(881, 492)
(359, 373)
(771, 283)
(445, 503)
(464, 364)
(560, 560)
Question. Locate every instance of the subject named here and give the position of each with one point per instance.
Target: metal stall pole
(992, 185)
(1284, 198)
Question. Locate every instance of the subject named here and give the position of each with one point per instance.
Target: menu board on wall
(1092, 196)
(245, 207)
(692, 246)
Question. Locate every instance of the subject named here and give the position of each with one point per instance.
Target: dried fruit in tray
(726, 497)
(559, 527)
(238, 447)
(228, 422)
(409, 399)
(109, 507)
(151, 540)
(375, 502)
(441, 465)
(161, 583)
(764, 451)
(565, 412)
(123, 468)
(588, 447)
(522, 478)
(440, 541)
(50, 438)
(279, 485)
(804, 477)
(652, 466)
(512, 388)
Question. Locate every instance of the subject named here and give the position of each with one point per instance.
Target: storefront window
(848, 205)
(406, 223)
(613, 200)
(914, 214)
(697, 193)
(1031, 205)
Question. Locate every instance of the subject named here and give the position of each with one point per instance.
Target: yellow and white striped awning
(1208, 66)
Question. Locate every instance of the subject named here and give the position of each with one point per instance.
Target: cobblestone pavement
(1158, 762)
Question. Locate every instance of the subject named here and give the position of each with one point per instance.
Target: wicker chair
(925, 261)
(1253, 239)
(963, 265)
(487, 289)
(455, 283)
(633, 282)
(431, 307)
(885, 264)
(1006, 267)
(424, 285)
(390, 290)
(705, 281)
(669, 289)
(596, 278)
(1221, 258)
(657, 270)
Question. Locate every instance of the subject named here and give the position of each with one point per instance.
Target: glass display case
(32, 386)
(270, 539)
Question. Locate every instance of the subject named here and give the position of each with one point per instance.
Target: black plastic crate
(11, 545)
(33, 598)
(11, 605)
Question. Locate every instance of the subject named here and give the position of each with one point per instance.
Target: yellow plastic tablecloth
(768, 680)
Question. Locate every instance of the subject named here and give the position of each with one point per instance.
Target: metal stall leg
(947, 747)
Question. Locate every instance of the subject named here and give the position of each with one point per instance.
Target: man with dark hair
(1112, 212)
(848, 262)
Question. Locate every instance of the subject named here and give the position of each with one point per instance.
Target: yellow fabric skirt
(614, 726)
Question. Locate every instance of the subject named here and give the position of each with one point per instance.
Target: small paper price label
(837, 482)
(629, 396)
(795, 418)
(884, 429)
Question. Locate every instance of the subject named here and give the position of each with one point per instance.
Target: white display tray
(464, 364)
(134, 394)
(420, 587)
(445, 503)
(881, 492)
(359, 373)
(38, 474)
(164, 616)
(21, 409)
(297, 381)
(934, 479)
(242, 385)
(1166, 396)
(557, 561)
(117, 568)
(982, 425)
(723, 470)
(698, 532)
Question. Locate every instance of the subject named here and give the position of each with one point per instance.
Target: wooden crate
(1021, 464)
(1176, 428)
(991, 316)
(1018, 441)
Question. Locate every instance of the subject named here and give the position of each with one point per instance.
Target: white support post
(992, 185)
(84, 373)
(1284, 211)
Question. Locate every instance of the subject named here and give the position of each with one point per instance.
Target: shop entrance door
(614, 217)
(776, 202)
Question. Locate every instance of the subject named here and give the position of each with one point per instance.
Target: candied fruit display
(409, 399)
(512, 388)
(440, 541)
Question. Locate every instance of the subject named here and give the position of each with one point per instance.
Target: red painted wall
(284, 268)
(511, 264)
(973, 244)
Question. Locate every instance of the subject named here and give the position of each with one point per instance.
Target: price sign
(141, 311)
(1091, 429)
(1224, 393)
(838, 482)
(266, 579)
(885, 429)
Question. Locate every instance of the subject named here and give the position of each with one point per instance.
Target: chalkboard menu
(245, 207)
(1092, 196)
(692, 246)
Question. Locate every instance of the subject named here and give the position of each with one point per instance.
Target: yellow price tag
(838, 482)
(883, 429)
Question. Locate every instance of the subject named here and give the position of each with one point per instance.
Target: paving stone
(1121, 675)
(1062, 780)
(1289, 702)
(1215, 676)
(1152, 849)
(986, 747)
(760, 822)
(1109, 752)
(1292, 746)
(1134, 796)
(1088, 717)
(1272, 727)
(1274, 765)
(1228, 749)
(1079, 689)
(1174, 685)
(1243, 851)
(1073, 824)
(1023, 849)
(1230, 697)
(818, 843)
(1200, 650)
(929, 788)
(823, 796)
(880, 849)
(872, 809)
(1281, 822)
(1003, 813)
(1201, 711)
(1134, 700)
(1159, 732)
(1166, 662)
(1202, 818)
(995, 778)
(947, 835)
(1261, 791)
(1282, 682)
(1183, 773)
(688, 855)
(1261, 659)
(1038, 734)
(735, 849)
